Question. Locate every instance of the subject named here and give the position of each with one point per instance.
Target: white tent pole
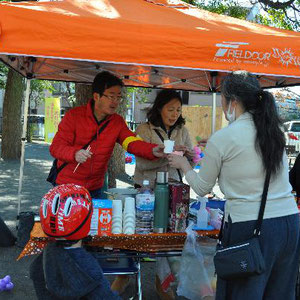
(214, 102)
(213, 113)
(26, 103)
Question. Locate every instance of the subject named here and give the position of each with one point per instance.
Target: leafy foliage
(225, 7)
(280, 14)
(37, 90)
(140, 94)
(3, 75)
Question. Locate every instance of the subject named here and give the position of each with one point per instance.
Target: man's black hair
(105, 80)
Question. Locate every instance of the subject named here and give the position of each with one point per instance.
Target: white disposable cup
(129, 206)
(117, 207)
(117, 222)
(129, 230)
(117, 218)
(116, 230)
(129, 223)
(169, 146)
(129, 217)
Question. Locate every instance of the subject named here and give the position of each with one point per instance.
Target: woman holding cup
(165, 126)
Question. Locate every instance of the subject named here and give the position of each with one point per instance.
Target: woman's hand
(202, 143)
(190, 154)
(180, 148)
(179, 162)
(158, 151)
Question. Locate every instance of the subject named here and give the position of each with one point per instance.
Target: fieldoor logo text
(237, 52)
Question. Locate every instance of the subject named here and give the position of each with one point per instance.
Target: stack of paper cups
(116, 227)
(129, 216)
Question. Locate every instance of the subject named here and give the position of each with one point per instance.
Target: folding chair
(122, 266)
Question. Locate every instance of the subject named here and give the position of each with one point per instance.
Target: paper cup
(129, 230)
(169, 146)
(129, 206)
(129, 223)
(129, 217)
(117, 207)
(116, 230)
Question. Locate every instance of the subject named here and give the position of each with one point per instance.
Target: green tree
(11, 125)
(37, 91)
(3, 75)
(280, 14)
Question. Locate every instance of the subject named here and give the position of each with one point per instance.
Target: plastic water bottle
(144, 209)
(202, 215)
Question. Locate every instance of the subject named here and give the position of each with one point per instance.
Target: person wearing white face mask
(230, 116)
(239, 156)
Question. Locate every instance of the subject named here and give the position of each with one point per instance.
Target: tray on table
(153, 242)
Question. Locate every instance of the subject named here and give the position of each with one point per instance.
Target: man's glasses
(113, 98)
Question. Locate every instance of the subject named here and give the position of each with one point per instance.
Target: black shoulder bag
(243, 259)
(162, 139)
(54, 170)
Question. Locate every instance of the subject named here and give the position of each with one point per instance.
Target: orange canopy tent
(149, 43)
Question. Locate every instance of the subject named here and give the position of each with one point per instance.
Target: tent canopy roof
(148, 43)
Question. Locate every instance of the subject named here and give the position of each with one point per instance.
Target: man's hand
(158, 151)
(82, 155)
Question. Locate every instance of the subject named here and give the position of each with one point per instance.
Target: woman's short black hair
(105, 80)
(162, 98)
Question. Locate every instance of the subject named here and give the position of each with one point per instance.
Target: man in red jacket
(86, 159)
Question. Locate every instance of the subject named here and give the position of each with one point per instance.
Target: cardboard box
(179, 206)
(102, 217)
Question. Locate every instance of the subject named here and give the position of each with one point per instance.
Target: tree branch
(277, 4)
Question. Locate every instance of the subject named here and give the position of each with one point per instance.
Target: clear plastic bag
(194, 282)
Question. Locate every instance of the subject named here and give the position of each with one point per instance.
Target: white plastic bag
(194, 283)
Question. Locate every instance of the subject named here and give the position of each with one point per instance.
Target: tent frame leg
(23, 139)
(214, 101)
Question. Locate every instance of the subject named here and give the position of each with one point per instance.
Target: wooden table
(151, 243)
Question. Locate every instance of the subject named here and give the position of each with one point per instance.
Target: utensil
(88, 149)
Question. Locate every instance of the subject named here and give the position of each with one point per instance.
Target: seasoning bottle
(161, 206)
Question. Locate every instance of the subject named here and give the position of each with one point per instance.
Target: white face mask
(230, 116)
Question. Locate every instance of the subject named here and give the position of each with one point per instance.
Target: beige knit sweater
(146, 169)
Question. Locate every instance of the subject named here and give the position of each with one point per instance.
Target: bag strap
(162, 139)
(86, 145)
(159, 134)
(261, 209)
(262, 204)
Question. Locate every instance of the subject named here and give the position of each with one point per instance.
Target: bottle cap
(146, 182)
(162, 177)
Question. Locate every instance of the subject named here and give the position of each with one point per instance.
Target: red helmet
(66, 212)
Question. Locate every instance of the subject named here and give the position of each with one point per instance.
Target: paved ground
(37, 165)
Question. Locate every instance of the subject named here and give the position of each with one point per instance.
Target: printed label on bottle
(145, 202)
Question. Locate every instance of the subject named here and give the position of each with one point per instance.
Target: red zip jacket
(76, 129)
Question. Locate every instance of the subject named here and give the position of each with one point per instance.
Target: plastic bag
(194, 282)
